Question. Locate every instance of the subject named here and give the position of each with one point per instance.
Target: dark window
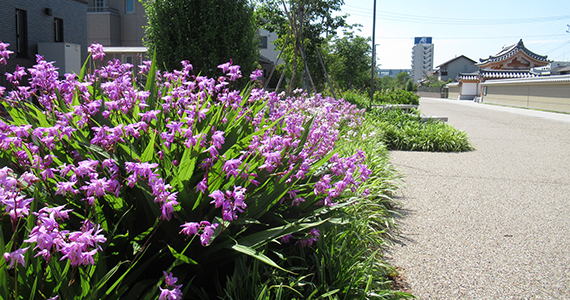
(21, 33)
(443, 73)
(130, 6)
(263, 42)
(58, 30)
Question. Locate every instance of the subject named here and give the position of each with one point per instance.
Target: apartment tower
(422, 57)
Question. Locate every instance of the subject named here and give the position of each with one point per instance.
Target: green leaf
(182, 257)
(186, 169)
(329, 294)
(83, 69)
(261, 238)
(150, 84)
(104, 280)
(258, 255)
(149, 151)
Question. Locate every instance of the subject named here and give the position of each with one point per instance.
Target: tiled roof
(536, 80)
(510, 51)
(486, 74)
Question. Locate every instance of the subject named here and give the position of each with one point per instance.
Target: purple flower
(255, 74)
(64, 187)
(218, 139)
(98, 187)
(149, 115)
(206, 229)
(4, 53)
(207, 234)
(16, 257)
(225, 67)
(286, 239)
(234, 72)
(97, 51)
(231, 167)
(202, 185)
(190, 228)
(172, 292)
(218, 197)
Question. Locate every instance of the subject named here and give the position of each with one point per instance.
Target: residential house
(268, 52)
(454, 66)
(56, 29)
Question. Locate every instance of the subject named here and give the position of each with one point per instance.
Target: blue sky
(475, 29)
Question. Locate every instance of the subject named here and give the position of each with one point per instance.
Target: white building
(422, 57)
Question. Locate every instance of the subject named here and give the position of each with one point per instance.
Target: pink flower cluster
(160, 190)
(12, 200)
(78, 246)
(4, 53)
(172, 290)
(204, 229)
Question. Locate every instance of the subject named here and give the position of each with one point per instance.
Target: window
(130, 6)
(263, 42)
(21, 33)
(99, 3)
(58, 30)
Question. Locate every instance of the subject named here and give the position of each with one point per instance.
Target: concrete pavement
(493, 223)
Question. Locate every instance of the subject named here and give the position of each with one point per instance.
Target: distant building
(422, 57)
(268, 52)
(451, 68)
(28, 23)
(554, 68)
(118, 25)
(392, 72)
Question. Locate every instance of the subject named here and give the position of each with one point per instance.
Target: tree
(349, 61)
(205, 32)
(307, 26)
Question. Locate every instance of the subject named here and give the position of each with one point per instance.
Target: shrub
(406, 131)
(396, 97)
(111, 190)
(357, 98)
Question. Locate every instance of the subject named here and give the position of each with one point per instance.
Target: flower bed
(111, 187)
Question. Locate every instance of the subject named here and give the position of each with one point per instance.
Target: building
(451, 68)
(269, 54)
(512, 62)
(422, 57)
(27, 24)
(392, 72)
(118, 25)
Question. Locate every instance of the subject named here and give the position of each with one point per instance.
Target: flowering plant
(109, 186)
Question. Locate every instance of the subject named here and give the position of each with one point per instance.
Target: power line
(473, 38)
(389, 16)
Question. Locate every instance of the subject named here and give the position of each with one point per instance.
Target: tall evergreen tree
(205, 32)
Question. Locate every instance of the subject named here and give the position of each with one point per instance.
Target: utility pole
(373, 71)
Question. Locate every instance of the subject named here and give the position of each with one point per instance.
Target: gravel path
(493, 223)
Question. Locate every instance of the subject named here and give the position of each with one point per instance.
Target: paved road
(493, 223)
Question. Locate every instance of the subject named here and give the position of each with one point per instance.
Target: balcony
(110, 10)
